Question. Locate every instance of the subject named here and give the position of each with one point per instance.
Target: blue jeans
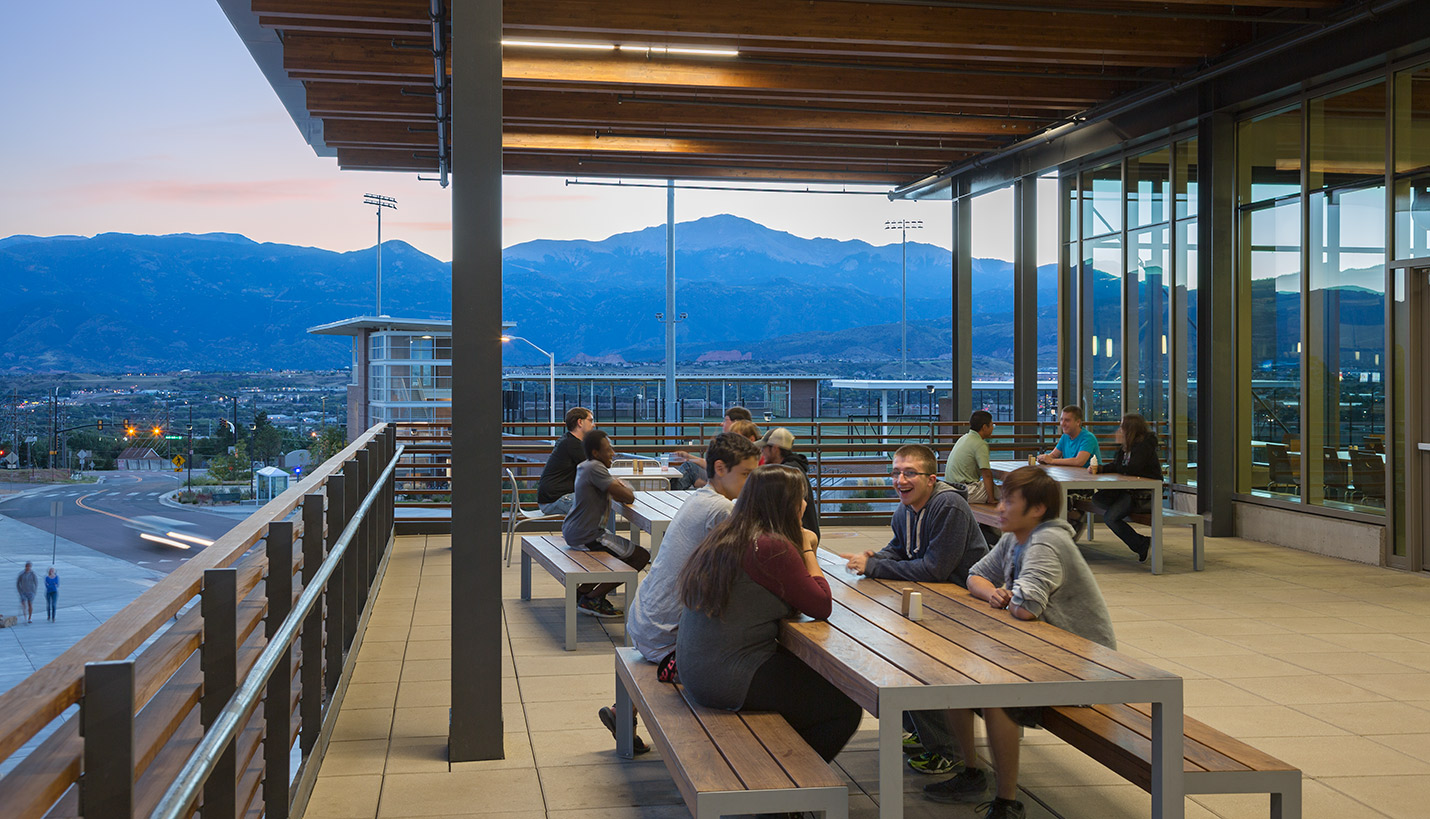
(560, 506)
(1116, 506)
(52, 600)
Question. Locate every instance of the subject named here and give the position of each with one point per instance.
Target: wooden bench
(1119, 736)
(1170, 517)
(985, 513)
(724, 762)
(572, 567)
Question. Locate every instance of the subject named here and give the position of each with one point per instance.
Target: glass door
(1410, 415)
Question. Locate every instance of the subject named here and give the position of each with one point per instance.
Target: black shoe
(608, 719)
(1143, 550)
(968, 785)
(1003, 809)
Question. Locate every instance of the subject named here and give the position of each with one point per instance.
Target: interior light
(1094, 346)
(1109, 348)
(652, 49)
(559, 44)
(1164, 344)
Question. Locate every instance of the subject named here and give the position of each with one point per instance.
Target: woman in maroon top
(754, 570)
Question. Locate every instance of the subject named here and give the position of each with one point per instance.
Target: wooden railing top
(41, 697)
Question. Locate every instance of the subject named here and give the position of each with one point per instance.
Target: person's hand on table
(1043, 458)
(1000, 598)
(1092, 468)
(857, 562)
(679, 456)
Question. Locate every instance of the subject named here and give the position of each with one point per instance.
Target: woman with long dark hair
(754, 570)
(1136, 455)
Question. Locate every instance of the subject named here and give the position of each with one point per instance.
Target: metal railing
(155, 683)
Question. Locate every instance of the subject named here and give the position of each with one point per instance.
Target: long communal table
(650, 512)
(963, 654)
(1073, 478)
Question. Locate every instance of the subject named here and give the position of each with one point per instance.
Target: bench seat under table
(571, 568)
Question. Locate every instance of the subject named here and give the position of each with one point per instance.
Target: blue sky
(149, 116)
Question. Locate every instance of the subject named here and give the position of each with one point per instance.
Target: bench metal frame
(1170, 517)
(1284, 787)
(833, 802)
(570, 580)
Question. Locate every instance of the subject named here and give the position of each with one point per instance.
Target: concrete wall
(1346, 539)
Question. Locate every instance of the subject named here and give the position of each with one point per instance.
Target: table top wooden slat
(555, 556)
(1077, 474)
(842, 660)
(742, 750)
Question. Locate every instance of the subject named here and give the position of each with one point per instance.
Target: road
(111, 515)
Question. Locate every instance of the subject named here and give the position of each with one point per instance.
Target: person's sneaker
(1003, 809)
(931, 763)
(597, 607)
(968, 785)
(912, 744)
(608, 719)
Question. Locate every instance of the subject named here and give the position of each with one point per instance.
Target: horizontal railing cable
(180, 796)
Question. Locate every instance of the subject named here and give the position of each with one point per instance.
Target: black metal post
(218, 660)
(352, 559)
(106, 721)
(1025, 299)
(364, 537)
(337, 585)
(1216, 311)
(276, 716)
(961, 396)
(310, 707)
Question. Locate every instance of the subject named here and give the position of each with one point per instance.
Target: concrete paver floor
(1315, 660)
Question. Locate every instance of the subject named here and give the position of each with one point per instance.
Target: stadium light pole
(379, 202)
(904, 226)
(551, 357)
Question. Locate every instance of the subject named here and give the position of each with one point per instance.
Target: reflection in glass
(1412, 163)
(1047, 262)
(1400, 349)
(1271, 290)
(1268, 152)
(1186, 178)
(1102, 200)
(1102, 323)
(1149, 268)
(992, 252)
(1148, 188)
(1184, 360)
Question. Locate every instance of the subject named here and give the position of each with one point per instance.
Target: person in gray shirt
(26, 584)
(655, 617)
(585, 524)
(1035, 572)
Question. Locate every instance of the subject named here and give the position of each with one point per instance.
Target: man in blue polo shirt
(1077, 447)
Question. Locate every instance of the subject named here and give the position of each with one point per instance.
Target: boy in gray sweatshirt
(1037, 573)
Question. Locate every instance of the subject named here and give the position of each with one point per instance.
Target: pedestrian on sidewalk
(26, 584)
(52, 593)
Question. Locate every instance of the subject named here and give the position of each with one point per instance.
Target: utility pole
(191, 447)
(669, 318)
(904, 226)
(379, 202)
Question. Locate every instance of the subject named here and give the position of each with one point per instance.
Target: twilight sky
(149, 116)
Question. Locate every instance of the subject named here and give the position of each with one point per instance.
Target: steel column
(106, 721)
(476, 730)
(276, 714)
(961, 396)
(310, 683)
(337, 595)
(218, 660)
(1025, 298)
(1218, 369)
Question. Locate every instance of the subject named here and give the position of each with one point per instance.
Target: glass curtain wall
(1182, 447)
(1100, 281)
(1149, 250)
(1047, 263)
(992, 286)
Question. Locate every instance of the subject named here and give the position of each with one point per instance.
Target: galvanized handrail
(185, 788)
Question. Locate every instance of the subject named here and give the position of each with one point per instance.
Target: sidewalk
(93, 586)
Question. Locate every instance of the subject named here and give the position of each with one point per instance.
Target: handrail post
(310, 707)
(352, 559)
(389, 506)
(276, 714)
(106, 721)
(365, 531)
(218, 659)
(337, 585)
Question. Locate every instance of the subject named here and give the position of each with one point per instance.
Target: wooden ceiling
(882, 92)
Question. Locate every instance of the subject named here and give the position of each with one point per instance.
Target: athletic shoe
(1143, 550)
(912, 744)
(968, 785)
(608, 719)
(598, 607)
(1003, 809)
(931, 763)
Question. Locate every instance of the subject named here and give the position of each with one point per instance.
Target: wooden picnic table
(1076, 477)
(650, 512)
(964, 654)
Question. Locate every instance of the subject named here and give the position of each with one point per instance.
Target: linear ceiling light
(651, 49)
(559, 44)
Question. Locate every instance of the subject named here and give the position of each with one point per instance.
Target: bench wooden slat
(554, 557)
(1226, 745)
(1115, 746)
(788, 748)
(1196, 755)
(742, 750)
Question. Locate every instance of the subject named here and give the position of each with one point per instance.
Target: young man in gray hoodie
(1035, 572)
(936, 540)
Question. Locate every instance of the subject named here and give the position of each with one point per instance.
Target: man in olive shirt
(558, 477)
(968, 464)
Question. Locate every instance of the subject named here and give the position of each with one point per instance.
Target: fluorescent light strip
(558, 44)
(163, 540)
(190, 538)
(712, 52)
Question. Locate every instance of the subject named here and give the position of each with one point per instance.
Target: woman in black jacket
(1136, 454)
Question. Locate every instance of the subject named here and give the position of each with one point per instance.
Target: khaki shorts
(977, 493)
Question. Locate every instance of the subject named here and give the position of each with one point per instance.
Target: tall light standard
(904, 226)
(552, 359)
(379, 202)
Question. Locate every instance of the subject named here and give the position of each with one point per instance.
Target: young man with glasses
(936, 540)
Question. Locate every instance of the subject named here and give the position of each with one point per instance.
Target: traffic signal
(100, 424)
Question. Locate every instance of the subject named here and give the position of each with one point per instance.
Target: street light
(552, 359)
(904, 226)
(380, 202)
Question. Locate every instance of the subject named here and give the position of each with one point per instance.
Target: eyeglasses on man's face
(908, 473)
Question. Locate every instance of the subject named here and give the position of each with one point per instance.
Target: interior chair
(1282, 473)
(1333, 473)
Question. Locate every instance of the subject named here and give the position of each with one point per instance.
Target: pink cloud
(238, 193)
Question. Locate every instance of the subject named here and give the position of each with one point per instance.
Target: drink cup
(639, 467)
(1032, 460)
(664, 461)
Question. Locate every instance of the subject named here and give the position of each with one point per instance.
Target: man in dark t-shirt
(558, 478)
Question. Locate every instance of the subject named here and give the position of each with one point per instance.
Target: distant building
(401, 370)
(141, 458)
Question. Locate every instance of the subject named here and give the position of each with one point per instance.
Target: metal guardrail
(180, 797)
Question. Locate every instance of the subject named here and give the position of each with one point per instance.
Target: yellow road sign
(177, 460)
